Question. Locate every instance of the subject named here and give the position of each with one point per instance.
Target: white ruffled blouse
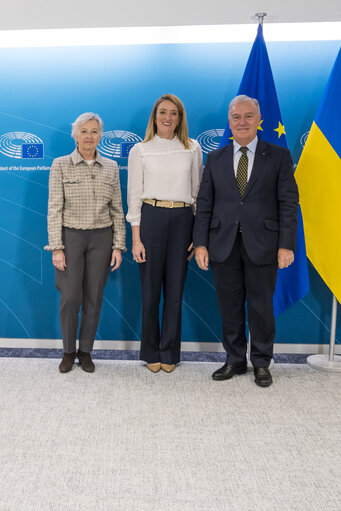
(162, 169)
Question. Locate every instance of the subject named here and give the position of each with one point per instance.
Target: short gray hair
(82, 119)
(242, 98)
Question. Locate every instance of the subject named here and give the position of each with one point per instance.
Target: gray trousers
(88, 255)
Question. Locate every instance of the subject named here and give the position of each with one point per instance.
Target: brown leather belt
(166, 203)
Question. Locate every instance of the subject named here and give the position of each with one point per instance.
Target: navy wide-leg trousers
(166, 234)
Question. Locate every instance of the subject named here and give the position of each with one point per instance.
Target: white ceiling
(29, 14)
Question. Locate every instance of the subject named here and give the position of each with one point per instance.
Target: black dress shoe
(228, 370)
(263, 376)
(85, 361)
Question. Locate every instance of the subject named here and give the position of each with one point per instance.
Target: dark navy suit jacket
(266, 213)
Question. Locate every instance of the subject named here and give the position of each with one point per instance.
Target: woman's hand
(139, 252)
(190, 251)
(58, 260)
(116, 259)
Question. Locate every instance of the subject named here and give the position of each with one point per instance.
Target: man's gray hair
(82, 119)
(243, 99)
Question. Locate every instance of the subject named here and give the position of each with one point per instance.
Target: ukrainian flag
(318, 177)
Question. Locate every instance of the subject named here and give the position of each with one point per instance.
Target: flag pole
(260, 17)
(329, 362)
(248, 352)
(333, 330)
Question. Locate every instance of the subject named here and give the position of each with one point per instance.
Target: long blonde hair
(181, 130)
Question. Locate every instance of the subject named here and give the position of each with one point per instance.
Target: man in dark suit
(245, 226)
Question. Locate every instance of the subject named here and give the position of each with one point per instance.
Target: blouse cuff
(51, 248)
(119, 247)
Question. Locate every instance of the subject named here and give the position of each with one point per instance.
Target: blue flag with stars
(257, 82)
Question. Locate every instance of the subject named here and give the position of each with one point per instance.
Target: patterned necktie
(241, 175)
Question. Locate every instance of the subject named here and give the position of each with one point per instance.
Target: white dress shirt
(251, 151)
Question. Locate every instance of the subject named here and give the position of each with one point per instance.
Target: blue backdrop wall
(43, 90)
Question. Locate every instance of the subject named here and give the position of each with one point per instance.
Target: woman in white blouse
(164, 173)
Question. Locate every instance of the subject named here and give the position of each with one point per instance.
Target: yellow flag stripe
(318, 177)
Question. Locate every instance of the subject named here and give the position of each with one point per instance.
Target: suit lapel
(229, 169)
(262, 153)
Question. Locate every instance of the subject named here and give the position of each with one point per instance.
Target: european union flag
(32, 151)
(125, 148)
(258, 82)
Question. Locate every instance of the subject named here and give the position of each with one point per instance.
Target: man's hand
(201, 257)
(285, 258)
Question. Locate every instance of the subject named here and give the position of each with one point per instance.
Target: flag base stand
(331, 362)
(323, 363)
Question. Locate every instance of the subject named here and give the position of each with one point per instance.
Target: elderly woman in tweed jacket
(86, 230)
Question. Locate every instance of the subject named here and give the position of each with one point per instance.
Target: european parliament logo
(21, 145)
(303, 138)
(210, 140)
(117, 143)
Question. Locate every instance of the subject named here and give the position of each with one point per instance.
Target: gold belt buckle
(167, 203)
